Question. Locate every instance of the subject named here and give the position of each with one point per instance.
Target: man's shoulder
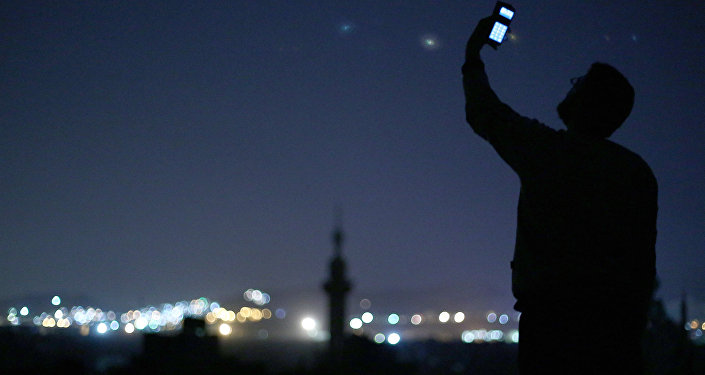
(605, 153)
(631, 160)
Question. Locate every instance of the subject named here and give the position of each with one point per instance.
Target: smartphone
(503, 14)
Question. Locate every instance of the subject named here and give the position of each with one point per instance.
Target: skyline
(157, 150)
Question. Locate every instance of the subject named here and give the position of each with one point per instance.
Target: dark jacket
(586, 225)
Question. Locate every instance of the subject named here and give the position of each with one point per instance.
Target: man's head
(598, 103)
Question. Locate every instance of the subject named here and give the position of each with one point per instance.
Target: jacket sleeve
(523, 143)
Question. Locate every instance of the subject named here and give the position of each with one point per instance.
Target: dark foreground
(25, 351)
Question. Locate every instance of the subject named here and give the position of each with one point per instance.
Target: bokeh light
(365, 304)
(496, 335)
(491, 317)
(514, 336)
(225, 329)
(308, 323)
(257, 296)
(367, 317)
(379, 338)
(458, 317)
(48, 322)
(416, 319)
(393, 319)
(141, 323)
(56, 301)
(355, 323)
(444, 317)
(393, 338)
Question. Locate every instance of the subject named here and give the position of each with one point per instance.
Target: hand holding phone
(502, 16)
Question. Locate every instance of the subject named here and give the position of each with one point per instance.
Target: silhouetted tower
(684, 314)
(337, 287)
(683, 348)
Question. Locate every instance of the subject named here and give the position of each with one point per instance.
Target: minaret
(684, 314)
(337, 287)
(683, 348)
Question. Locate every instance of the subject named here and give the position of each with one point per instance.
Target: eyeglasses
(575, 80)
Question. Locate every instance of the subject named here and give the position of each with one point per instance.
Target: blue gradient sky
(156, 150)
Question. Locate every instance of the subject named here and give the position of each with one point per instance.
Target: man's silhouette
(584, 260)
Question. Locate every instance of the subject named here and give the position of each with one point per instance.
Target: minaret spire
(338, 236)
(337, 287)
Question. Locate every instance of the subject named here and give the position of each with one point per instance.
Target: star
(346, 28)
(430, 42)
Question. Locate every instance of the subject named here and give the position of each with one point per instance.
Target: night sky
(156, 151)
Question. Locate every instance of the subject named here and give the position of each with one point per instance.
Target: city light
(393, 338)
(467, 337)
(514, 336)
(169, 316)
(48, 322)
(365, 304)
(257, 296)
(491, 317)
(141, 323)
(308, 324)
(63, 323)
(355, 323)
(225, 329)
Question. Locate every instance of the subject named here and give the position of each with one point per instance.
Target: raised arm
(481, 103)
(520, 141)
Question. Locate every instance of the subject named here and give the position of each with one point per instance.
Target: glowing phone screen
(506, 13)
(498, 32)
